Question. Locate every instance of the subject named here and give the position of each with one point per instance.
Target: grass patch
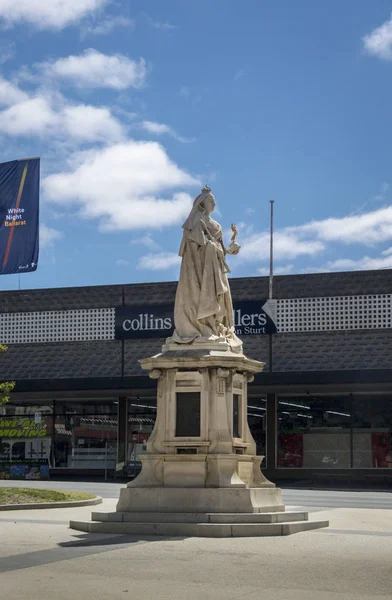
(28, 496)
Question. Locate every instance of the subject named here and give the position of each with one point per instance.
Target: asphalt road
(310, 499)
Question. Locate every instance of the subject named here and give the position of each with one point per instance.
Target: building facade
(321, 409)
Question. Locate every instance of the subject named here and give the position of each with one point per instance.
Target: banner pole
(271, 275)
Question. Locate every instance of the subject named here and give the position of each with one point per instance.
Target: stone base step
(197, 529)
(151, 517)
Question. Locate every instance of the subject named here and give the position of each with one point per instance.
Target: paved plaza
(42, 559)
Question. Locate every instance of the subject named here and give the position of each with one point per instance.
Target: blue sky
(133, 105)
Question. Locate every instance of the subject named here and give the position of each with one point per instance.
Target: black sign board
(144, 321)
(251, 317)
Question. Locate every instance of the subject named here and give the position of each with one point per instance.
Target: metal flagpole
(271, 275)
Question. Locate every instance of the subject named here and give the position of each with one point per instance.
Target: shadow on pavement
(93, 539)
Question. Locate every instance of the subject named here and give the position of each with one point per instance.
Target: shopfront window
(141, 421)
(334, 432)
(25, 444)
(257, 419)
(372, 429)
(85, 435)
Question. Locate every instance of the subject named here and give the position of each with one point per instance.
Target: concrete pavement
(41, 559)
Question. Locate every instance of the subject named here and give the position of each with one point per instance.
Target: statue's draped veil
(197, 210)
(195, 226)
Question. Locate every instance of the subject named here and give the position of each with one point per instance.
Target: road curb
(39, 505)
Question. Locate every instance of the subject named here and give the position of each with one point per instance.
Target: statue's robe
(203, 306)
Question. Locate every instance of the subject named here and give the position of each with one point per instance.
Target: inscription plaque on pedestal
(188, 414)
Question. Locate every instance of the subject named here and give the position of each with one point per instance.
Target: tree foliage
(7, 386)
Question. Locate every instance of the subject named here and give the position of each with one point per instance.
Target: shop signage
(251, 317)
(21, 428)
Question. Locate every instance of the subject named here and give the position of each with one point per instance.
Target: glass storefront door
(85, 435)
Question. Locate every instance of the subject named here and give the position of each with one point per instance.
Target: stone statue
(201, 456)
(203, 309)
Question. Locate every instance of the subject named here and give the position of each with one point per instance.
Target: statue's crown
(206, 189)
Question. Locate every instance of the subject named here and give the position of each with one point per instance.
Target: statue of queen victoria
(203, 309)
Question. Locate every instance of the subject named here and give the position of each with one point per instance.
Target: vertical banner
(19, 216)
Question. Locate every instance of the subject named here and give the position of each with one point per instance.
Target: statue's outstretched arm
(234, 247)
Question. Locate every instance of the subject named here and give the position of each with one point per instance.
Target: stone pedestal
(200, 475)
(201, 439)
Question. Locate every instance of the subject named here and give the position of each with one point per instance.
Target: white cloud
(125, 186)
(121, 262)
(52, 116)
(147, 241)
(314, 238)
(366, 263)
(92, 69)
(185, 91)
(47, 14)
(279, 270)
(283, 269)
(245, 230)
(250, 211)
(367, 228)
(379, 41)
(92, 124)
(48, 235)
(33, 116)
(157, 128)
(10, 93)
(159, 261)
(380, 197)
(107, 25)
(161, 129)
(160, 24)
(7, 52)
(286, 245)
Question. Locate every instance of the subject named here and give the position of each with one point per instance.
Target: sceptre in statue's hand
(234, 247)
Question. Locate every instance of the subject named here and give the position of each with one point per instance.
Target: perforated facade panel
(335, 313)
(57, 326)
